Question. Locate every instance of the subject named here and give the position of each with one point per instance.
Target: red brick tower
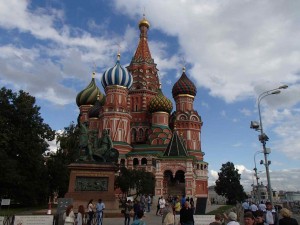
(115, 116)
(144, 87)
(188, 123)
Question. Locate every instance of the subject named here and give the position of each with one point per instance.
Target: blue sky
(233, 50)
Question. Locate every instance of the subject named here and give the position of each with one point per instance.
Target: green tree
(135, 182)
(57, 164)
(23, 140)
(228, 184)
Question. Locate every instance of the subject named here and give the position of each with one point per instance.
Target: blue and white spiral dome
(116, 75)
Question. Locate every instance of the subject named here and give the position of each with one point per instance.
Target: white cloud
(245, 112)
(286, 179)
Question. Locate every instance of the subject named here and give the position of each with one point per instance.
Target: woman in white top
(90, 207)
(69, 216)
(80, 215)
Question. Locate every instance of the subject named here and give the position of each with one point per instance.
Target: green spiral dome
(88, 96)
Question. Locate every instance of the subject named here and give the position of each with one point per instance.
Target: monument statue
(83, 141)
(105, 151)
(94, 148)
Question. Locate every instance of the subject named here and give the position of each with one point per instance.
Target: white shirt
(262, 207)
(253, 208)
(162, 203)
(90, 207)
(245, 205)
(269, 217)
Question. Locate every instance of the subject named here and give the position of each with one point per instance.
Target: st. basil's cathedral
(142, 126)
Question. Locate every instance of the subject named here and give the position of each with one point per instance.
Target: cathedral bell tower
(186, 119)
(115, 116)
(144, 87)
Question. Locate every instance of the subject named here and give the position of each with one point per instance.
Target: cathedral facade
(143, 126)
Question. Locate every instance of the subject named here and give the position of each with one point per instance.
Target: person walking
(90, 209)
(232, 217)
(259, 218)
(157, 207)
(148, 202)
(253, 207)
(128, 208)
(262, 206)
(136, 209)
(286, 218)
(249, 218)
(168, 217)
(245, 206)
(270, 215)
(100, 208)
(186, 215)
(80, 215)
(217, 221)
(177, 206)
(69, 216)
(162, 205)
(139, 220)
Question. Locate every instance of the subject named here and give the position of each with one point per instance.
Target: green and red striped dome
(88, 96)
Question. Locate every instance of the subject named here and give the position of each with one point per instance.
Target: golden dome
(144, 22)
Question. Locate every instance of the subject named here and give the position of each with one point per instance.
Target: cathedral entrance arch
(174, 183)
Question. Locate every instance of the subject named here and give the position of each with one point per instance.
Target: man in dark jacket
(186, 215)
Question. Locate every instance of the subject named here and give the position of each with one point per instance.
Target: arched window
(135, 162)
(144, 162)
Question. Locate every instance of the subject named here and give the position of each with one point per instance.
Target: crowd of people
(182, 208)
(166, 208)
(69, 217)
(257, 214)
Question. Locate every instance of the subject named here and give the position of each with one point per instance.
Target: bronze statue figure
(96, 149)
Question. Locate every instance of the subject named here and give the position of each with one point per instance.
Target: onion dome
(88, 96)
(144, 22)
(116, 75)
(160, 103)
(95, 110)
(184, 86)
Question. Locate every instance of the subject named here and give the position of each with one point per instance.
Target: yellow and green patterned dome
(160, 103)
(88, 96)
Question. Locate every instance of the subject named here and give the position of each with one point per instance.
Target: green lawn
(221, 210)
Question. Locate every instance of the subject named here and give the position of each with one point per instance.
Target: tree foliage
(228, 184)
(23, 140)
(57, 164)
(135, 182)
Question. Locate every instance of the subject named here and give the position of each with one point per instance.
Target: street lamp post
(263, 138)
(256, 176)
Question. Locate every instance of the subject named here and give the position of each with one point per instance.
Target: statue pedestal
(92, 181)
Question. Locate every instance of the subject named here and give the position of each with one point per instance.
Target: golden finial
(144, 22)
